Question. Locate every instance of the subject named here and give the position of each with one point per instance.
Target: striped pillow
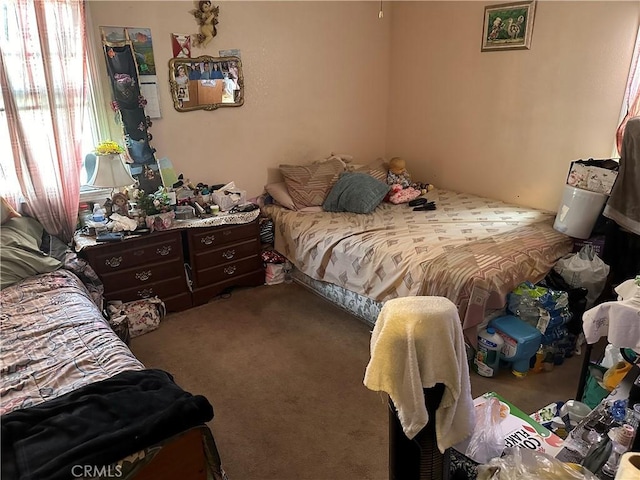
(377, 169)
(309, 185)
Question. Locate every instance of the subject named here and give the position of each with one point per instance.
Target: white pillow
(280, 194)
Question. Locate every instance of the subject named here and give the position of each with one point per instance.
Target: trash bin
(578, 211)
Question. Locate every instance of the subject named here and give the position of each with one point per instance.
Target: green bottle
(598, 454)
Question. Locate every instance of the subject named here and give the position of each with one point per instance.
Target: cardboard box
(590, 177)
(597, 241)
(519, 429)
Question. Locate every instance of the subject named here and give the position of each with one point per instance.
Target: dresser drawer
(205, 239)
(225, 254)
(164, 289)
(226, 271)
(142, 275)
(130, 253)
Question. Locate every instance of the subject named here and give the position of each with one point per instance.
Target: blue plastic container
(521, 342)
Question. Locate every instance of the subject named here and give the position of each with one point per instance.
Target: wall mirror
(206, 83)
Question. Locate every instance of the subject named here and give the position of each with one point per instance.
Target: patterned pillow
(377, 169)
(309, 185)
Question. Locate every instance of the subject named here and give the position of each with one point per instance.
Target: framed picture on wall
(508, 26)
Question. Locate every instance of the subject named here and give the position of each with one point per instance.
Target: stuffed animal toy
(397, 194)
(398, 174)
(423, 187)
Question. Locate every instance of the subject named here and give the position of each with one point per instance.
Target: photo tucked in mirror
(206, 83)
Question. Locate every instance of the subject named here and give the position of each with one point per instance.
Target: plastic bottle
(84, 215)
(539, 358)
(599, 451)
(98, 213)
(487, 359)
(620, 443)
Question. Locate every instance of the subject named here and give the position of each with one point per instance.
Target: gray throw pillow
(356, 193)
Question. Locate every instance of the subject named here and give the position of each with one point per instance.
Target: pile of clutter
(138, 210)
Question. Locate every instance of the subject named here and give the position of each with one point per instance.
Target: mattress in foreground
(54, 340)
(471, 249)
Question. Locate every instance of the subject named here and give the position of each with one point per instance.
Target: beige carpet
(283, 369)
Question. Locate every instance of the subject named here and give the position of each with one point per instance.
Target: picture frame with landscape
(508, 26)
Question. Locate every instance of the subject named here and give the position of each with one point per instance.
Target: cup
(215, 209)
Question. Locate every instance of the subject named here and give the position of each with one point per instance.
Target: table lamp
(110, 171)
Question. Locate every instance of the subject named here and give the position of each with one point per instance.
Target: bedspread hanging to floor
(472, 250)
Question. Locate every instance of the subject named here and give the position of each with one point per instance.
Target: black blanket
(98, 424)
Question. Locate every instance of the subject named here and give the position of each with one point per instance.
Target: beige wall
(507, 124)
(315, 77)
(319, 78)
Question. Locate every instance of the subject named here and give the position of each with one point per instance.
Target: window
(38, 94)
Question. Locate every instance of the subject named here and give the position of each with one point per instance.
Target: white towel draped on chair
(417, 342)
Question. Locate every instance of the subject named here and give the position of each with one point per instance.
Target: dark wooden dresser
(143, 267)
(222, 257)
(183, 267)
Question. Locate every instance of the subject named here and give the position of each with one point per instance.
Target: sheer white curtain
(631, 101)
(44, 95)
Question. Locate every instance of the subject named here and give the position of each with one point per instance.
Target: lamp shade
(111, 172)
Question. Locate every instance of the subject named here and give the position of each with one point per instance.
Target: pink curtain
(42, 73)
(631, 102)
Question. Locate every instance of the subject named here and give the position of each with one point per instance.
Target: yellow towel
(416, 343)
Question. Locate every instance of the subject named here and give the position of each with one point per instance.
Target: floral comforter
(54, 340)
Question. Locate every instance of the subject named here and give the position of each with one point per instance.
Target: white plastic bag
(584, 269)
(487, 441)
(525, 464)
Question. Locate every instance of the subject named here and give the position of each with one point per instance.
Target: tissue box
(591, 177)
(228, 197)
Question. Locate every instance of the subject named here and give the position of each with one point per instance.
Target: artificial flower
(108, 147)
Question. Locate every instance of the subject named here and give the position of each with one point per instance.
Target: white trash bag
(586, 270)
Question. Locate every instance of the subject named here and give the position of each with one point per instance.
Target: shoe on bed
(417, 201)
(426, 206)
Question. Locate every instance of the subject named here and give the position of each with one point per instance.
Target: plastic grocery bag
(525, 464)
(487, 441)
(584, 269)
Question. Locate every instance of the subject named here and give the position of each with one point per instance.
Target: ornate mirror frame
(190, 91)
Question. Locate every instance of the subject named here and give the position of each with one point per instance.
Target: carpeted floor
(283, 369)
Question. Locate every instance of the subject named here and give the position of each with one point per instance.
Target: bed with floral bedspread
(57, 348)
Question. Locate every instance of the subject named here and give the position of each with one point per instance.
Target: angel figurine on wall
(207, 17)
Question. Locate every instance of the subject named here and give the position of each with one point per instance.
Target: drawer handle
(113, 262)
(164, 250)
(230, 270)
(145, 293)
(208, 240)
(138, 253)
(143, 276)
(229, 254)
